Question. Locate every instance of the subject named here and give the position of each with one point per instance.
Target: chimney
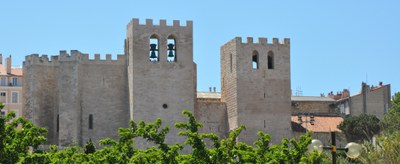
(8, 65)
(1, 58)
(346, 93)
(210, 89)
(364, 88)
(215, 89)
(380, 83)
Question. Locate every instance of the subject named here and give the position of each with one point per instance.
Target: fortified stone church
(77, 98)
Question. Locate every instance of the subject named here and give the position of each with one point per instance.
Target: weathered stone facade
(69, 92)
(78, 98)
(255, 81)
(313, 104)
(160, 88)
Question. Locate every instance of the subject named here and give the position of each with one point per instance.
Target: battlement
(74, 55)
(261, 41)
(162, 23)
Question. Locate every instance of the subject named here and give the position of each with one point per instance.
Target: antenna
(366, 77)
(298, 91)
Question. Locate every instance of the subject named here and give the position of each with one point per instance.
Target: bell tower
(255, 81)
(161, 73)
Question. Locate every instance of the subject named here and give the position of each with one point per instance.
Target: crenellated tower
(255, 80)
(161, 73)
(76, 98)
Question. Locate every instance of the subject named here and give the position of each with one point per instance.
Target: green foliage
(17, 136)
(227, 150)
(391, 120)
(386, 149)
(358, 128)
(396, 102)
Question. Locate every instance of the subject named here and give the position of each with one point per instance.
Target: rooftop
(217, 95)
(208, 95)
(311, 98)
(15, 71)
(321, 124)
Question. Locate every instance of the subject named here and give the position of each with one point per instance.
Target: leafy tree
(362, 127)
(227, 150)
(391, 120)
(200, 154)
(17, 136)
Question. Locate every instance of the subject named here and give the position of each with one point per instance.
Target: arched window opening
(255, 60)
(171, 47)
(153, 53)
(270, 60)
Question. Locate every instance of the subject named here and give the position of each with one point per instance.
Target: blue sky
(334, 44)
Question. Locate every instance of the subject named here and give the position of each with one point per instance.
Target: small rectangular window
(15, 81)
(14, 98)
(3, 81)
(3, 97)
(90, 121)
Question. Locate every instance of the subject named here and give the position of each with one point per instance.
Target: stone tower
(161, 73)
(76, 98)
(255, 81)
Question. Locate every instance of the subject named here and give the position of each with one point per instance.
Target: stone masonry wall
(104, 95)
(160, 89)
(318, 107)
(213, 116)
(40, 91)
(61, 94)
(263, 95)
(229, 83)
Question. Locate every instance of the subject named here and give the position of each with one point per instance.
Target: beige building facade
(11, 87)
(373, 100)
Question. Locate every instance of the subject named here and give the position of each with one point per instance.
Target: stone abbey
(77, 98)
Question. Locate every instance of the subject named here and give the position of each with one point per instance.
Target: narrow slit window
(231, 62)
(90, 121)
(255, 60)
(171, 47)
(58, 122)
(153, 53)
(270, 60)
(265, 125)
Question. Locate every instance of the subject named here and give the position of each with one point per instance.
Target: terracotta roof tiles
(321, 124)
(15, 71)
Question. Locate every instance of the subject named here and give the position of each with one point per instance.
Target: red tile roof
(14, 71)
(321, 124)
